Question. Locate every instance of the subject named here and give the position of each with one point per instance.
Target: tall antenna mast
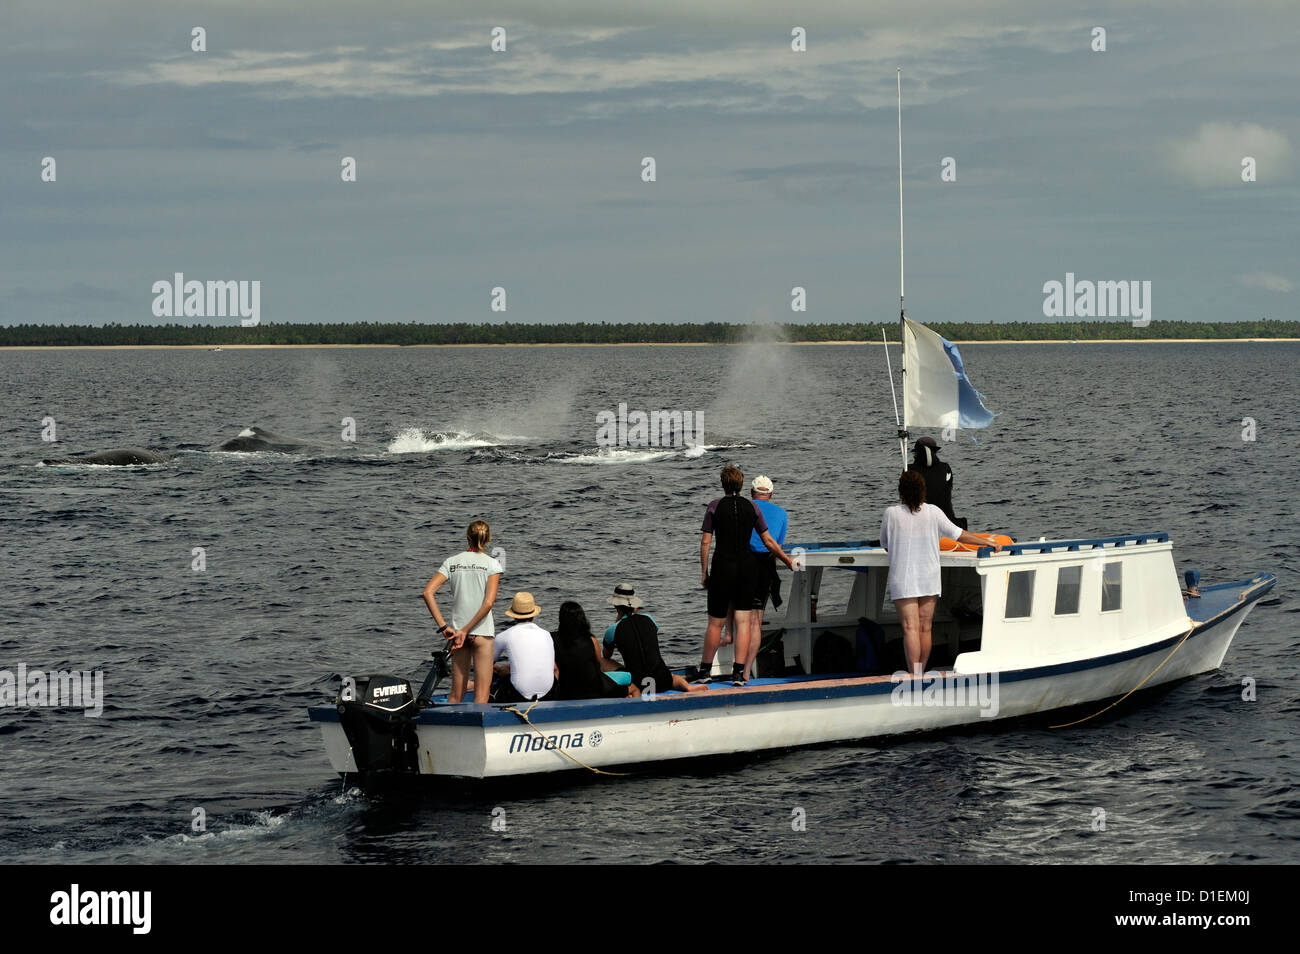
(900, 195)
(902, 430)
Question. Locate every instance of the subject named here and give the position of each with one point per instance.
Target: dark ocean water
(315, 562)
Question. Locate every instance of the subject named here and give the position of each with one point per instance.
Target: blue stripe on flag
(971, 411)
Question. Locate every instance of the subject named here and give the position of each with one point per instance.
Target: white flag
(936, 391)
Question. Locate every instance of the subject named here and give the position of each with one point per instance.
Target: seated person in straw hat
(531, 673)
(636, 636)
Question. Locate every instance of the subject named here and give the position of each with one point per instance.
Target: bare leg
(755, 642)
(482, 668)
(744, 636)
(910, 615)
(682, 685)
(712, 637)
(925, 609)
(459, 674)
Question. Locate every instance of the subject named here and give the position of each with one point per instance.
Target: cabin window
(1068, 580)
(1020, 594)
(833, 593)
(1111, 580)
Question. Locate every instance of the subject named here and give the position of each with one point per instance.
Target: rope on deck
(1177, 646)
(590, 768)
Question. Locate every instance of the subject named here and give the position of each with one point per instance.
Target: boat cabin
(1030, 604)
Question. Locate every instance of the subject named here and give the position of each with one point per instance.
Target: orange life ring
(947, 543)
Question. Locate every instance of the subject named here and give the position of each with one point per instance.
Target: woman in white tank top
(910, 531)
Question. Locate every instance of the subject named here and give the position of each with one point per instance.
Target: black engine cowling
(378, 716)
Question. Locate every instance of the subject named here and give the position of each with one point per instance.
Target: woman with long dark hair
(910, 531)
(578, 658)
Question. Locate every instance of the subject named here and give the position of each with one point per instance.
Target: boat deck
(1219, 599)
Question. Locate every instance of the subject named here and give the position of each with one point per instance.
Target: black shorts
(504, 691)
(733, 586)
(769, 583)
(663, 680)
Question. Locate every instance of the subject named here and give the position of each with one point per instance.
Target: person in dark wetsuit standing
(736, 581)
(937, 476)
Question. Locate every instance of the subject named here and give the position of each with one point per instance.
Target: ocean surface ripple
(315, 559)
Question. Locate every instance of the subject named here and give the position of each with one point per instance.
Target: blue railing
(824, 546)
(1051, 546)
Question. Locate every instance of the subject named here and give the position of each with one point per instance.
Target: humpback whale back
(252, 439)
(123, 457)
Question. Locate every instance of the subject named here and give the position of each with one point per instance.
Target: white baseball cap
(762, 485)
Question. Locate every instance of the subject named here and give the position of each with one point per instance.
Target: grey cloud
(775, 168)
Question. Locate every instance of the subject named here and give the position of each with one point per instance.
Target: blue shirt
(777, 524)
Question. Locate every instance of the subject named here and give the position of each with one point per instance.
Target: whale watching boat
(1032, 628)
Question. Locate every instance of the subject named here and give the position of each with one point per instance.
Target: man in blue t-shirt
(778, 522)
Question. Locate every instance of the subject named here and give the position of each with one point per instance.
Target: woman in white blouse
(910, 531)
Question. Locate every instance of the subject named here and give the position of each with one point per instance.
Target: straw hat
(523, 607)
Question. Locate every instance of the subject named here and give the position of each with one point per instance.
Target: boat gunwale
(1027, 551)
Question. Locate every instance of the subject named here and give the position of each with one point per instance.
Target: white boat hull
(490, 742)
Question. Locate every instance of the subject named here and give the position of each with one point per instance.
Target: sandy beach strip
(626, 344)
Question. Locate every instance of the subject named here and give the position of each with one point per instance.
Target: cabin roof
(857, 554)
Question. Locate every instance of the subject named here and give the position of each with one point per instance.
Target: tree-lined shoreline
(506, 333)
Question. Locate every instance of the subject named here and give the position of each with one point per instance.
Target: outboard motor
(378, 717)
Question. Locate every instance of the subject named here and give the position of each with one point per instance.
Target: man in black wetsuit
(937, 476)
(735, 581)
(636, 636)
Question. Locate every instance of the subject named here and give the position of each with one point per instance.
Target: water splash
(415, 440)
(617, 455)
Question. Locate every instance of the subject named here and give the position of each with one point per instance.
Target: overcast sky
(522, 169)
